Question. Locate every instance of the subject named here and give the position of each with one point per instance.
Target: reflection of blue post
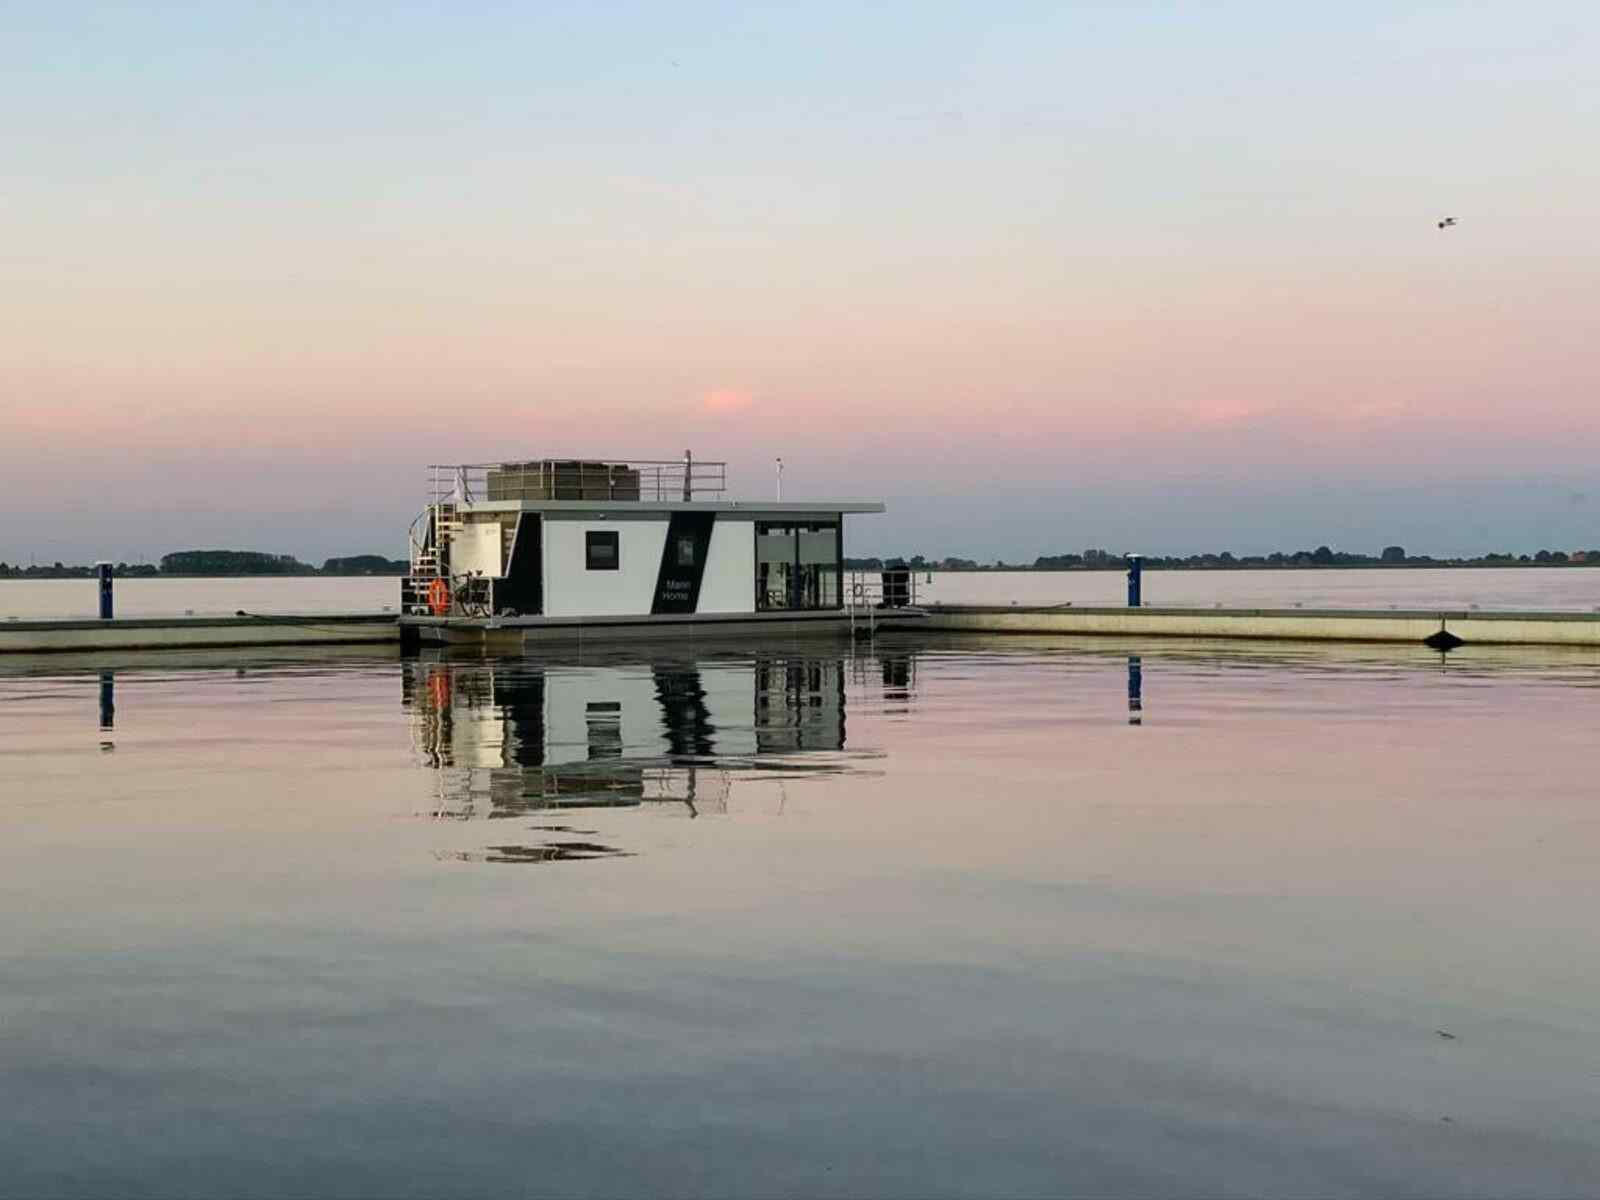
(105, 590)
(1135, 690)
(108, 699)
(1135, 567)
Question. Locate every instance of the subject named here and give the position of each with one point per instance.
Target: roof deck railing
(685, 478)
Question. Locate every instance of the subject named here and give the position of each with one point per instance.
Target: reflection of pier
(509, 738)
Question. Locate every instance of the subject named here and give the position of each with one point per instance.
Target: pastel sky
(1157, 276)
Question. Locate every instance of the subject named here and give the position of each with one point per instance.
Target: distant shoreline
(68, 574)
(1433, 565)
(79, 573)
(220, 564)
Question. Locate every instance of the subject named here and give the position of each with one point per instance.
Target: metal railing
(869, 594)
(578, 479)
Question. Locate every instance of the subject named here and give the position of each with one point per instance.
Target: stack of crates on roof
(550, 479)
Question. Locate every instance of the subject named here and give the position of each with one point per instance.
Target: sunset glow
(1047, 278)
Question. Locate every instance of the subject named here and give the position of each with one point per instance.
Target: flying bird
(1447, 222)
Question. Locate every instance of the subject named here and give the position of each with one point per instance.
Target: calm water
(943, 919)
(1505, 588)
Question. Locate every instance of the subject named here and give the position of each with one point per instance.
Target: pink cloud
(1221, 412)
(726, 400)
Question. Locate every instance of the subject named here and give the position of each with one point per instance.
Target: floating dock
(197, 633)
(1443, 630)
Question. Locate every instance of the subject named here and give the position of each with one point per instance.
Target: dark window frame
(593, 538)
(793, 528)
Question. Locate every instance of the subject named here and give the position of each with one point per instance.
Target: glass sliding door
(776, 547)
(798, 565)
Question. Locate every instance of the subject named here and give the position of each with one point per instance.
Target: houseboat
(574, 549)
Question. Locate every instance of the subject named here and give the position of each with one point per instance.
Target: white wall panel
(570, 590)
(729, 585)
(477, 548)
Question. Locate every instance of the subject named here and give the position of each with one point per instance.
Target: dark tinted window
(600, 550)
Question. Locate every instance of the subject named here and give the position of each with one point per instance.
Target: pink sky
(984, 291)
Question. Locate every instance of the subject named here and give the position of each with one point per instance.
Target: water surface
(946, 918)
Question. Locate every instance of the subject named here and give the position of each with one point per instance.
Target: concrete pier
(1286, 624)
(1415, 627)
(196, 633)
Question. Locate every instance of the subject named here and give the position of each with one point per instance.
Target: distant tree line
(216, 563)
(251, 562)
(59, 570)
(1322, 556)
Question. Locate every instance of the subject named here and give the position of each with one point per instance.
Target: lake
(934, 918)
(1547, 588)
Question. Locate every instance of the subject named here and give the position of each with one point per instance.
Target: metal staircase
(432, 530)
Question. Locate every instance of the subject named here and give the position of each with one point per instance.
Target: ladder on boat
(439, 523)
(871, 594)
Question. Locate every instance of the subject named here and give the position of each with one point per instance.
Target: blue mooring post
(105, 590)
(1135, 592)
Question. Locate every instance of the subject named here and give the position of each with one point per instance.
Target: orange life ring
(439, 597)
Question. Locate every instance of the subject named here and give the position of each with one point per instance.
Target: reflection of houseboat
(508, 737)
(566, 548)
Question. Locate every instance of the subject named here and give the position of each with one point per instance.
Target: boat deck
(492, 630)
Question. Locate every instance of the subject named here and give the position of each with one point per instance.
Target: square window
(600, 549)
